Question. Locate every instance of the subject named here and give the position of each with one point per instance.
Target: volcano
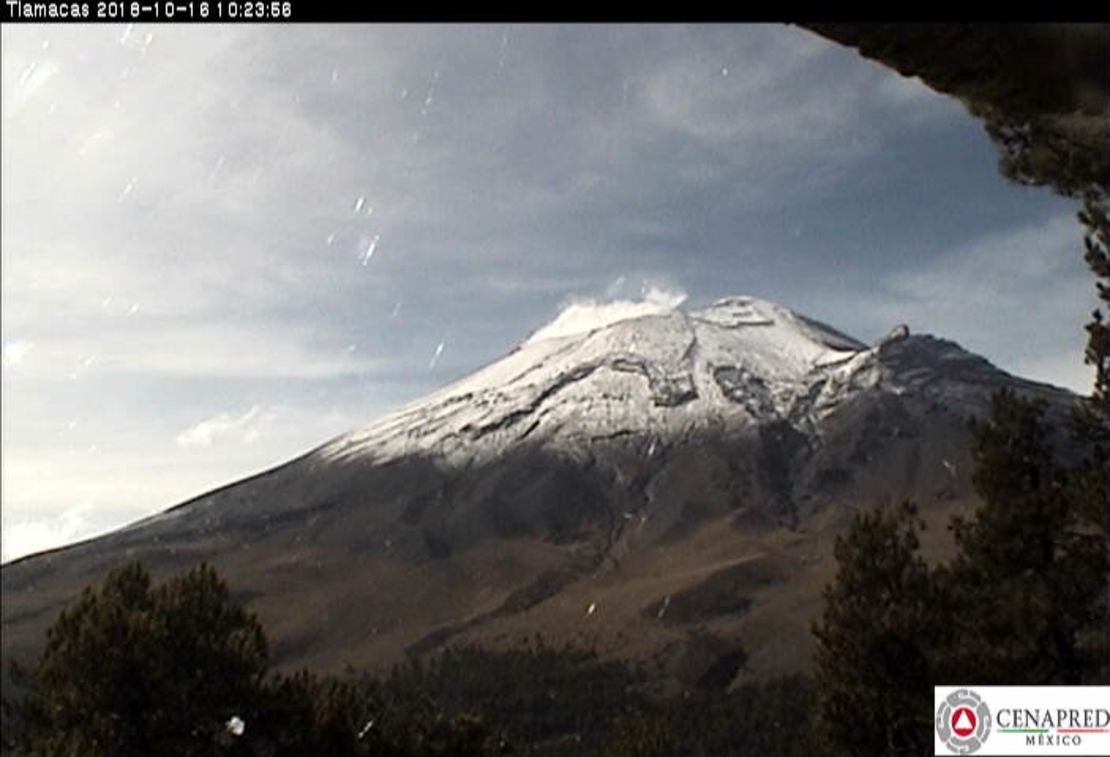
(665, 487)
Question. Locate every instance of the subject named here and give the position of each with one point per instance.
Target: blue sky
(223, 245)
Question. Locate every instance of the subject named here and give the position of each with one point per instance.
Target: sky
(223, 245)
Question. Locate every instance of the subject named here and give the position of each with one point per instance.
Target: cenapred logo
(1017, 720)
(963, 721)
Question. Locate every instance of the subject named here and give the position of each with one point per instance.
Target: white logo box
(1021, 720)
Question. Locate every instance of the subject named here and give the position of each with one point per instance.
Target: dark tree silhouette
(1025, 589)
(133, 669)
(872, 656)
(180, 670)
(1019, 604)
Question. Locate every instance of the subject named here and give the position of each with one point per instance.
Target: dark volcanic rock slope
(660, 487)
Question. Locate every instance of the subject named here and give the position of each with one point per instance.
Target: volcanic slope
(665, 487)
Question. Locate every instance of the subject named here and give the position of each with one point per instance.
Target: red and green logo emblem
(963, 721)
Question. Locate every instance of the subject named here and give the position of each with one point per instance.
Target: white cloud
(1026, 263)
(1018, 296)
(780, 97)
(244, 429)
(167, 201)
(135, 345)
(584, 315)
(14, 351)
(1063, 368)
(156, 472)
(28, 535)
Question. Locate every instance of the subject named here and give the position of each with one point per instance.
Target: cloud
(243, 429)
(1025, 264)
(774, 99)
(1061, 368)
(134, 467)
(181, 232)
(14, 352)
(29, 535)
(1017, 295)
(134, 345)
(585, 315)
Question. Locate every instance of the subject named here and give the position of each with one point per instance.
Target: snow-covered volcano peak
(644, 379)
(737, 362)
(743, 311)
(740, 310)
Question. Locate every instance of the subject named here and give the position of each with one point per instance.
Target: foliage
(872, 659)
(1026, 585)
(1091, 482)
(1095, 218)
(180, 669)
(131, 669)
(568, 701)
(560, 701)
(1020, 604)
(640, 735)
(301, 714)
(769, 717)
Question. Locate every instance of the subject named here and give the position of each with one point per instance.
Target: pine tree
(136, 670)
(872, 657)
(1021, 603)
(1095, 218)
(1023, 592)
(181, 670)
(1091, 482)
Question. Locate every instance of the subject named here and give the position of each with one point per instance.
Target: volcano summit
(666, 486)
